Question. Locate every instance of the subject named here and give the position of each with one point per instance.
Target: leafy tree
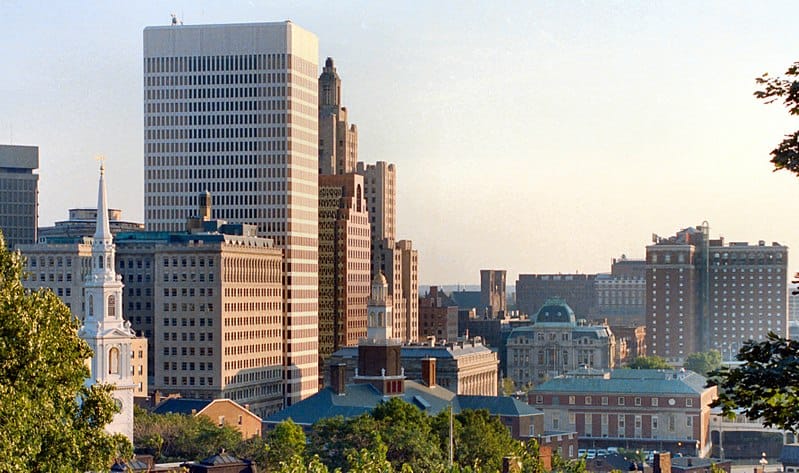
(563, 465)
(653, 362)
(785, 89)
(48, 419)
(483, 440)
(333, 437)
(285, 441)
(508, 386)
(173, 437)
(765, 386)
(407, 433)
(703, 362)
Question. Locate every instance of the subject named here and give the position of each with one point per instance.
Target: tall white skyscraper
(233, 110)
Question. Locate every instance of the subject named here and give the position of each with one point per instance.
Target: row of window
(620, 401)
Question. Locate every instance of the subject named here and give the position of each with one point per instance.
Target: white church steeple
(104, 328)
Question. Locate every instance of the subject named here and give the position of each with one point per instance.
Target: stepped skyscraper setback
(233, 110)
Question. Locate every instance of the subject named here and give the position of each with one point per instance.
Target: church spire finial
(103, 231)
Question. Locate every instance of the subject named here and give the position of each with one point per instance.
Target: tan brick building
(344, 262)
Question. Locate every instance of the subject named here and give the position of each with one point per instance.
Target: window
(621, 400)
(588, 400)
(637, 401)
(689, 402)
(654, 402)
(654, 422)
(604, 400)
(539, 399)
(571, 399)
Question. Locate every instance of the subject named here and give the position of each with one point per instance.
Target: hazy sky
(531, 136)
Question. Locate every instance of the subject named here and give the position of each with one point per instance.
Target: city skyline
(538, 139)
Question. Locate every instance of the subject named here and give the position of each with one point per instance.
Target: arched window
(91, 306)
(113, 360)
(112, 306)
(100, 262)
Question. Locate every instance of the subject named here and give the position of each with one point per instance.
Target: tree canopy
(49, 421)
(765, 386)
(785, 89)
(703, 362)
(653, 362)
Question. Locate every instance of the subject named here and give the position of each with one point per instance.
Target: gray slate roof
(181, 406)
(362, 398)
(627, 381)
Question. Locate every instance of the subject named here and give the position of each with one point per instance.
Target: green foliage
(286, 440)
(407, 433)
(49, 421)
(508, 386)
(653, 362)
(765, 386)
(174, 437)
(562, 465)
(331, 439)
(786, 154)
(703, 362)
(482, 440)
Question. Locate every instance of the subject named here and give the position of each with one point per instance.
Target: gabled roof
(181, 406)
(362, 398)
(501, 406)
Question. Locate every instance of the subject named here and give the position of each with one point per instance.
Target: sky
(531, 136)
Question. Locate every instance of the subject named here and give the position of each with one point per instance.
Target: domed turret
(379, 317)
(555, 311)
(379, 288)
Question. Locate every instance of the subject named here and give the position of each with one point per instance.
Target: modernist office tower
(344, 263)
(105, 330)
(19, 193)
(233, 109)
(380, 180)
(338, 141)
(704, 294)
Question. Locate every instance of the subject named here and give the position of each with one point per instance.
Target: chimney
(338, 378)
(429, 372)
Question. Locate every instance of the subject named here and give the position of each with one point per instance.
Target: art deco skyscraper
(233, 110)
(338, 140)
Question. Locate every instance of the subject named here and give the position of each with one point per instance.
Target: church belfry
(104, 328)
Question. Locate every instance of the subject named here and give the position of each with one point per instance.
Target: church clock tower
(104, 329)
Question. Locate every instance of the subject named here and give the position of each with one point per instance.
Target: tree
(786, 154)
(483, 440)
(508, 386)
(172, 437)
(703, 362)
(653, 362)
(765, 386)
(407, 433)
(285, 441)
(48, 419)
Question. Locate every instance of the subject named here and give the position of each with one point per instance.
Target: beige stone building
(233, 109)
(463, 367)
(218, 329)
(344, 262)
(338, 140)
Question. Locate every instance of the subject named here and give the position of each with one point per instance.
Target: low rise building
(647, 409)
(220, 411)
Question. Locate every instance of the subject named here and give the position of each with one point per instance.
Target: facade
(492, 292)
(233, 109)
(19, 194)
(104, 328)
(555, 344)
(218, 326)
(220, 411)
(634, 340)
(338, 141)
(380, 181)
(533, 290)
(464, 367)
(704, 294)
(438, 316)
(410, 288)
(646, 409)
(344, 262)
(621, 299)
(81, 224)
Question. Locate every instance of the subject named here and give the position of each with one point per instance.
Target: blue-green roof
(627, 381)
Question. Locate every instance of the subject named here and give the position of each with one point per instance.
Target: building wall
(538, 353)
(218, 323)
(344, 262)
(492, 291)
(60, 268)
(226, 412)
(532, 290)
(463, 367)
(138, 366)
(437, 316)
(604, 418)
(256, 151)
(19, 194)
(410, 288)
(380, 182)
